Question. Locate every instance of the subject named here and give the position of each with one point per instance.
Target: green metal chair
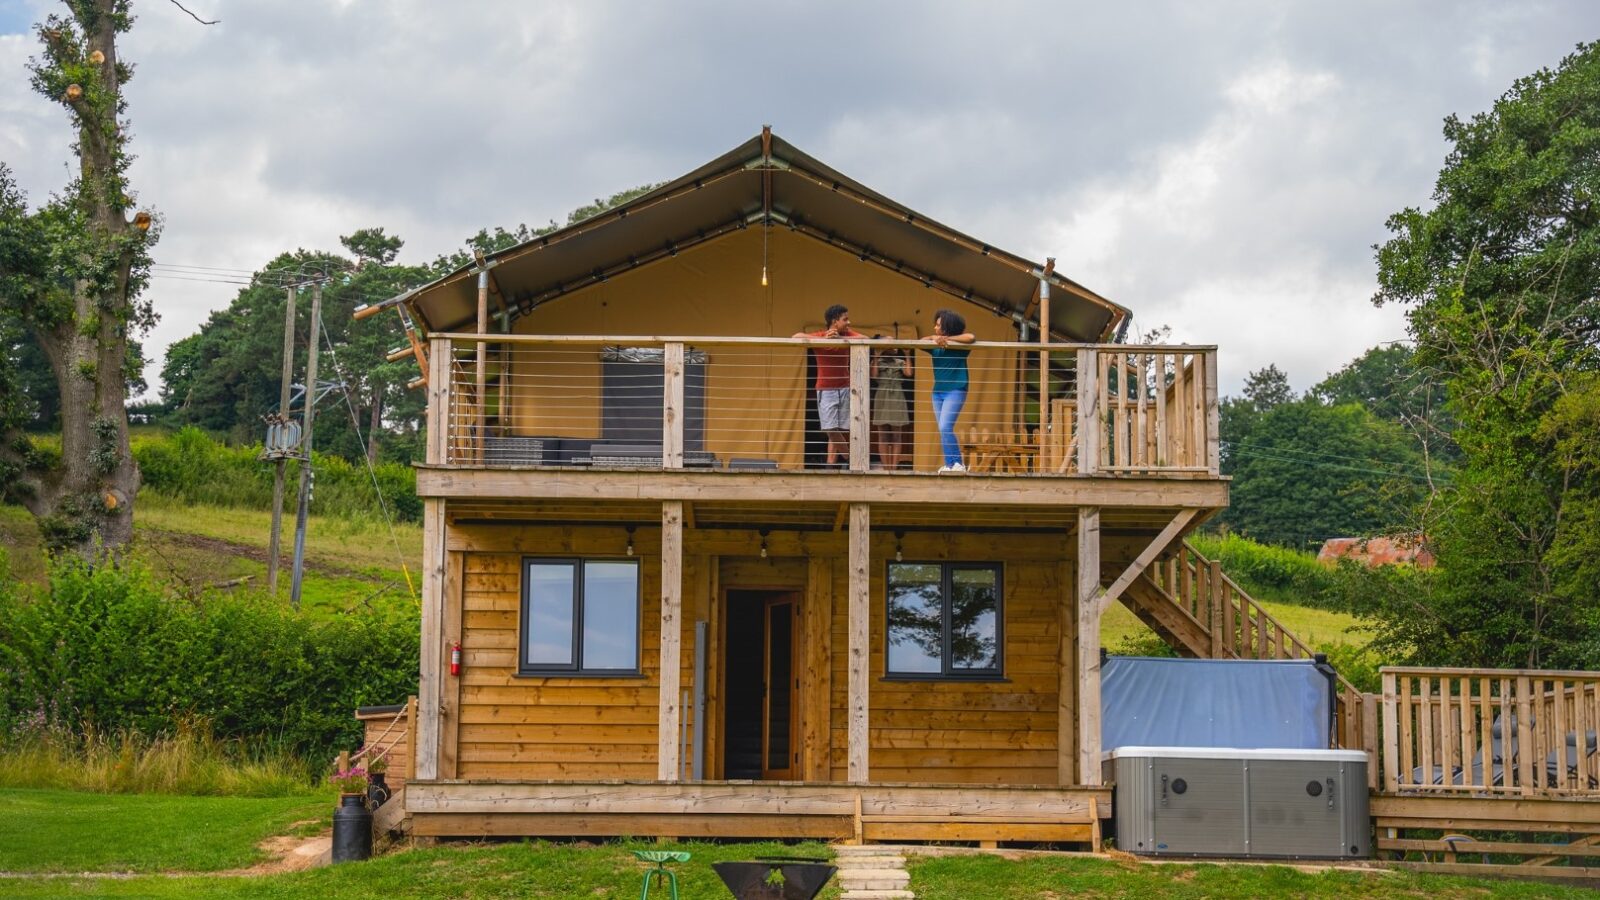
(660, 871)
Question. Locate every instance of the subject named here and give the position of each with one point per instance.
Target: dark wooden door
(780, 713)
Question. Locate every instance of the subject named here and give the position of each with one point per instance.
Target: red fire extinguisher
(455, 658)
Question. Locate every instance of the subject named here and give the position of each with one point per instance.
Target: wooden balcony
(746, 407)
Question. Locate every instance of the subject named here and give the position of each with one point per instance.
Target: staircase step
(882, 881)
(878, 895)
(870, 862)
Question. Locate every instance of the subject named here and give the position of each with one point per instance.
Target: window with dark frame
(944, 620)
(579, 617)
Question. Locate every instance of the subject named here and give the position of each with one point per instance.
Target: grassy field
(67, 831)
(168, 843)
(1314, 626)
(350, 563)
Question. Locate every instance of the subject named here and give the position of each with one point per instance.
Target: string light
(630, 540)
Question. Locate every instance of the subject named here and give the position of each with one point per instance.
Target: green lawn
(66, 831)
(992, 878)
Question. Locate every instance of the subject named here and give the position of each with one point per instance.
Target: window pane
(974, 619)
(549, 614)
(611, 615)
(915, 618)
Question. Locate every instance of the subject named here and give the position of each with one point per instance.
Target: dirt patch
(226, 548)
(288, 854)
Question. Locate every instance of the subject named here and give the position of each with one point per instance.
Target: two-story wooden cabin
(674, 617)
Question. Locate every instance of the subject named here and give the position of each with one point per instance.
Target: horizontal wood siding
(998, 732)
(560, 728)
(950, 732)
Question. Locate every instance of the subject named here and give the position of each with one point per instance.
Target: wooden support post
(816, 610)
(411, 738)
(672, 413)
(450, 685)
(860, 412)
(671, 640)
(479, 402)
(1066, 678)
(860, 649)
(426, 725)
(1088, 606)
(1090, 433)
(437, 451)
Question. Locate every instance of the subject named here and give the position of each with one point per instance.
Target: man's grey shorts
(833, 408)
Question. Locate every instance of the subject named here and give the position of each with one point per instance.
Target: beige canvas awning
(757, 182)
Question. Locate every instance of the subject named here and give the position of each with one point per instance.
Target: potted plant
(352, 821)
(377, 789)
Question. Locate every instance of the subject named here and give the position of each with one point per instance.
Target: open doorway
(762, 710)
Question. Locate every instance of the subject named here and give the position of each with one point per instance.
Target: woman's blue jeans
(946, 407)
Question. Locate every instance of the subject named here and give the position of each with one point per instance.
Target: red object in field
(455, 658)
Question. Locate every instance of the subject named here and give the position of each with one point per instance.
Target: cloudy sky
(1222, 168)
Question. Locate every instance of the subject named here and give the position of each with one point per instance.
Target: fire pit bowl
(775, 877)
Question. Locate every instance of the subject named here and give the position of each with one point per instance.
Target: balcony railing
(753, 404)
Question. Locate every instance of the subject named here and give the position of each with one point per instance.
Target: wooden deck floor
(758, 809)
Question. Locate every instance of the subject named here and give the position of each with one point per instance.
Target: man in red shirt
(833, 381)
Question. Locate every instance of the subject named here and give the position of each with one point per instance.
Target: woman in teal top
(949, 381)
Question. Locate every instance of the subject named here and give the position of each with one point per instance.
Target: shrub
(106, 651)
(1274, 573)
(190, 466)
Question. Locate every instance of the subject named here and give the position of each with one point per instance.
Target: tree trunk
(84, 502)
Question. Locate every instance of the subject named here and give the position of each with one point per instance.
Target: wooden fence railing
(741, 402)
(1491, 731)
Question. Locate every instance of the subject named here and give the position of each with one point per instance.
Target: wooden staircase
(1201, 613)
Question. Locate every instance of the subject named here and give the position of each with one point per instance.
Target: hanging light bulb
(763, 276)
(899, 551)
(630, 540)
(763, 543)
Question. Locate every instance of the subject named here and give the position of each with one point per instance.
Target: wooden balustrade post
(1089, 432)
(860, 408)
(1213, 444)
(481, 360)
(438, 435)
(858, 672)
(1214, 600)
(1391, 734)
(672, 411)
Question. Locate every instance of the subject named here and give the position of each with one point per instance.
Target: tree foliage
(1501, 281)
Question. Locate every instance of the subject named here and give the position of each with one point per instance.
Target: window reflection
(974, 609)
(574, 622)
(943, 619)
(610, 615)
(550, 613)
(916, 618)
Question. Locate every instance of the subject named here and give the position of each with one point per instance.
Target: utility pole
(283, 415)
(305, 443)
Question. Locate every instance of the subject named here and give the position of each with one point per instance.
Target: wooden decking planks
(755, 809)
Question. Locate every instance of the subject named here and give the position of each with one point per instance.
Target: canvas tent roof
(751, 184)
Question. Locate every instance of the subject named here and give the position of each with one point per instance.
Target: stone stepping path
(867, 872)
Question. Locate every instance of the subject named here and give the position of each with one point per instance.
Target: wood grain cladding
(921, 732)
